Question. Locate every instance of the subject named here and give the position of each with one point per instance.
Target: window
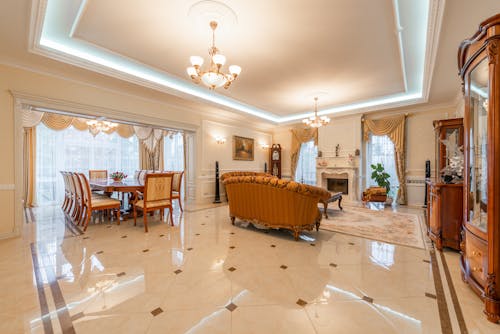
(306, 166)
(380, 149)
(78, 151)
(173, 152)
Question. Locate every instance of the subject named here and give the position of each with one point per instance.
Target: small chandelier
(96, 126)
(212, 77)
(316, 121)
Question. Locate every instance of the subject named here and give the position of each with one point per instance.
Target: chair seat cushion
(101, 202)
(99, 196)
(153, 204)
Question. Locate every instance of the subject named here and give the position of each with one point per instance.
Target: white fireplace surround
(344, 172)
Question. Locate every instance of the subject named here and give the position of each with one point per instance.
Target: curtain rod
(101, 118)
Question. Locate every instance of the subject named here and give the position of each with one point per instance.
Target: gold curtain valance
(80, 124)
(393, 127)
(56, 122)
(125, 130)
(32, 118)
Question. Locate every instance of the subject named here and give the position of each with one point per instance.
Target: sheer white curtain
(78, 151)
(306, 166)
(380, 149)
(173, 152)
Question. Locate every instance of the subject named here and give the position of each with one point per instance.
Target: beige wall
(346, 131)
(212, 151)
(122, 105)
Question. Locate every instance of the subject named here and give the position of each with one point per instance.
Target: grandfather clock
(275, 160)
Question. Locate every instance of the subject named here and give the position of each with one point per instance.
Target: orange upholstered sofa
(274, 202)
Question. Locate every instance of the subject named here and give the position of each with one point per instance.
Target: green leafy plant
(381, 177)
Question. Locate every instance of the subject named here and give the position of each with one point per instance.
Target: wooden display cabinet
(479, 66)
(444, 207)
(445, 214)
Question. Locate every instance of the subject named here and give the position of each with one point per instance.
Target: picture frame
(243, 148)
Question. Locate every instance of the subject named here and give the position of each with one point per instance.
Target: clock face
(276, 155)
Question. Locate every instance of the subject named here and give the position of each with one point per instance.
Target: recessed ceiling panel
(287, 49)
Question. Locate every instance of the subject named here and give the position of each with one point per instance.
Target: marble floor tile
(204, 275)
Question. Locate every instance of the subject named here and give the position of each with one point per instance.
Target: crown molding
(435, 20)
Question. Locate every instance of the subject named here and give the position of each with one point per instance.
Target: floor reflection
(206, 275)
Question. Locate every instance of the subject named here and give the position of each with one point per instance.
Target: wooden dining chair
(176, 187)
(95, 174)
(78, 214)
(96, 203)
(71, 211)
(157, 196)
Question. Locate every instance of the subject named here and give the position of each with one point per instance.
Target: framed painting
(243, 148)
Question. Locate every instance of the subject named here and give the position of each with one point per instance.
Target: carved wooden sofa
(274, 202)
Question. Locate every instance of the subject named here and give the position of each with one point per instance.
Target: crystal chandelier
(316, 121)
(212, 77)
(96, 126)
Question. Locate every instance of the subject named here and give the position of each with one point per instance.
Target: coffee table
(335, 197)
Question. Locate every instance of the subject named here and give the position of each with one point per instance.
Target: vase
(117, 179)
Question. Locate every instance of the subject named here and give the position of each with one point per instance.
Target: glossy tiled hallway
(206, 276)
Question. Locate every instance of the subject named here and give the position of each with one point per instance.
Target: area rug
(387, 226)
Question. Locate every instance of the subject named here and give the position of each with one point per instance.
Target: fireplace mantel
(349, 172)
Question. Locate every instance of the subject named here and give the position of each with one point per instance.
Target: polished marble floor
(205, 275)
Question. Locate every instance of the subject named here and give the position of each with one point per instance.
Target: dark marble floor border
(454, 298)
(42, 298)
(65, 320)
(444, 314)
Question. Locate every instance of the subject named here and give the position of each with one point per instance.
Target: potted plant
(380, 176)
(118, 176)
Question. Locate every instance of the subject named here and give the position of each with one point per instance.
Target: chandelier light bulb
(191, 71)
(219, 59)
(196, 61)
(235, 70)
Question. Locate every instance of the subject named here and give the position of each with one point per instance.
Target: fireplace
(338, 185)
(345, 180)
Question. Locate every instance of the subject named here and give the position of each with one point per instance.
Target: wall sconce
(220, 140)
(264, 145)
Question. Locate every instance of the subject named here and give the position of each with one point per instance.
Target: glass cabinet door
(478, 146)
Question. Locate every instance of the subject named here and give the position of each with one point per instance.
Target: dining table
(109, 186)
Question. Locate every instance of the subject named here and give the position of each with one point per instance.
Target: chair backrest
(78, 188)
(137, 173)
(142, 175)
(71, 183)
(86, 193)
(98, 174)
(176, 183)
(158, 187)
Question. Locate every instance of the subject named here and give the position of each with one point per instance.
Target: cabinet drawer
(476, 255)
